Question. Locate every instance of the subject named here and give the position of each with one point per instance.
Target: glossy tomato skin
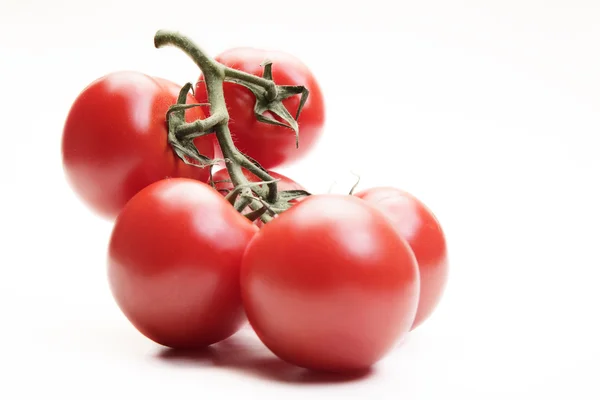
(270, 145)
(423, 232)
(284, 183)
(174, 263)
(115, 140)
(329, 285)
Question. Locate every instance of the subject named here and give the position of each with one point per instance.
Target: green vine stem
(215, 74)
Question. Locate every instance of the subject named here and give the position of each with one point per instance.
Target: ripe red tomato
(329, 285)
(417, 224)
(115, 140)
(174, 263)
(284, 183)
(270, 145)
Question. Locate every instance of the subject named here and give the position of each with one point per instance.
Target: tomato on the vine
(329, 284)
(115, 140)
(270, 145)
(421, 229)
(174, 263)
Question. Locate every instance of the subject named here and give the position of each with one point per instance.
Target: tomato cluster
(327, 282)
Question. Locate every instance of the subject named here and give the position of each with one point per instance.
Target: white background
(487, 111)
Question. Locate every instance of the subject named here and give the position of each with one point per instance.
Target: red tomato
(115, 140)
(417, 224)
(174, 263)
(329, 285)
(270, 145)
(284, 183)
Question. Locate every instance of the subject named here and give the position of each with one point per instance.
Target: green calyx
(269, 98)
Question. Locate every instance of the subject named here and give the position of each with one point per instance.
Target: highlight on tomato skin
(114, 140)
(329, 285)
(270, 145)
(417, 224)
(174, 263)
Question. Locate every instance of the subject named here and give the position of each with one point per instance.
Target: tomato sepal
(289, 195)
(271, 101)
(183, 145)
(285, 91)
